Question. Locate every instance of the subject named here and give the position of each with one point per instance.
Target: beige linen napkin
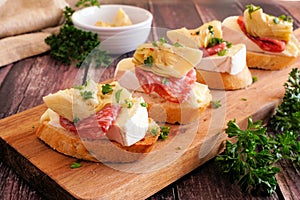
(21, 24)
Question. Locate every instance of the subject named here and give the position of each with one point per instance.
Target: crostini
(270, 42)
(223, 65)
(98, 122)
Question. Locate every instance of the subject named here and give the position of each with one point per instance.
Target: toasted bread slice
(98, 150)
(217, 80)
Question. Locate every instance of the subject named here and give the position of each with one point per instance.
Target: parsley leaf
(75, 165)
(118, 95)
(164, 132)
(129, 103)
(87, 94)
(74, 45)
(249, 161)
(149, 61)
(106, 88)
(216, 104)
(254, 79)
(287, 114)
(251, 9)
(144, 104)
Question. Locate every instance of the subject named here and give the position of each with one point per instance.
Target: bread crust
(162, 110)
(217, 80)
(268, 61)
(101, 150)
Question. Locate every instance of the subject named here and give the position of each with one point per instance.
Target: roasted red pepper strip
(266, 44)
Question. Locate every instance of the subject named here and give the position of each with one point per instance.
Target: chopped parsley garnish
(228, 44)
(251, 160)
(164, 132)
(154, 43)
(106, 89)
(215, 41)
(276, 20)
(149, 61)
(164, 80)
(86, 3)
(78, 87)
(144, 104)
(211, 30)
(286, 18)
(129, 103)
(87, 94)
(251, 9)
(118, 95)
(76, 120)
(197, 32)
(254, 79)
(154, 131)
(163, 40)
(179, 147)
(76, 165)
(216, 104)
(244, 99)
(223, 52)
(176, 44)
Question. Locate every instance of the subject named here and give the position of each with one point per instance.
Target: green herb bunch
(287, 115)
(74, 45)
(250, 161)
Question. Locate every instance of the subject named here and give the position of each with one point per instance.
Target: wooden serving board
(187, 148)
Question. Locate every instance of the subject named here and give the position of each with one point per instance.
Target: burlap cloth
(24, 25)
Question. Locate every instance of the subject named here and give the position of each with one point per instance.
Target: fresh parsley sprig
(249, 161)
(287, 115)
(74, 45)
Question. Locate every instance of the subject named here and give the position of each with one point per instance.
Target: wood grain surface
(22, 85)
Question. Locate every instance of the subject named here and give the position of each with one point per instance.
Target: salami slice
(172, 89)
(267, 44)
(213, 50)
(95, 126)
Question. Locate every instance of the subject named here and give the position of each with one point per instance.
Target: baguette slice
(100, 150)
(268, 61)
(217, 80)
(256, 57)
(160, 109)
(164, 111)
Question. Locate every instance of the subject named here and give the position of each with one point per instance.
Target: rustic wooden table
(24, 83)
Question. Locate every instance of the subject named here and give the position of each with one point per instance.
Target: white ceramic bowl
(116, 40)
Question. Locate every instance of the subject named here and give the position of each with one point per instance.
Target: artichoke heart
(166, 60)
(259, 24)
(199, 37)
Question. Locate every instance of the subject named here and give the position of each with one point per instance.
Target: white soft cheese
(233, 33)
(199, 96)
(53, 118)
(132, 122)
(232, 62)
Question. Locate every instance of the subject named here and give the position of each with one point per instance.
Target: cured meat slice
(95, 126)
(172, 89)
(267, 44)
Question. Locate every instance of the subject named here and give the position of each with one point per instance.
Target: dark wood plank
(217, 10)
(14, 187)
(31, 79)
(288, 180)
(174, 14)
